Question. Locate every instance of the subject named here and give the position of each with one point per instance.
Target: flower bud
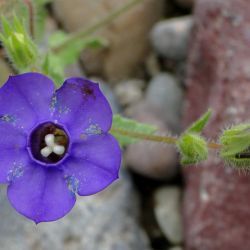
(236, 146)
(19, 46)
(193, 148)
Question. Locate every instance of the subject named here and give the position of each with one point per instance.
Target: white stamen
(50, 140)
(58, 149)
(51, 146)
(45, 152)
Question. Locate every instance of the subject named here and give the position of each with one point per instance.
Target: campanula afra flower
(54, 144)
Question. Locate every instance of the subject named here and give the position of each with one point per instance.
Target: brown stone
(5, 71)
(127, 35)
(216, 203)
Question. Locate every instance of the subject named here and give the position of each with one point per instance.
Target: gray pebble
(166, 98)
(170, 38)
(129, 92)
(168, 213)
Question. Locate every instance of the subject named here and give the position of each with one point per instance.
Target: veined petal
(81, 106)
(41, 194)
(95, 163)
(86, 178)
(102, 150)
(25, 99)
(13, 153)
(11, 137)
(12, 164)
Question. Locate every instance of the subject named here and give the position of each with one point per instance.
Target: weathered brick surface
(217, 198)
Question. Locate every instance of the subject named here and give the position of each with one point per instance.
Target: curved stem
(31, 16)
(97, 25)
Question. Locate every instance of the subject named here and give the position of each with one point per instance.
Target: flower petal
(86, 178)
(12, 164)
(26, 98)
(41, 194)
(13, 155)
(11, 137)
(95, 163)
(102, 150)
(80, 104)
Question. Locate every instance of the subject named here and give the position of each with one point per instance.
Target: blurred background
(164, 63)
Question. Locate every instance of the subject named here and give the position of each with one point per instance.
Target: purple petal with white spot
(94, 163)
(41, 194)
(11, 137)
(25, 99)
(80, 105)
(12, 164)
(87, 178)
(13, 155)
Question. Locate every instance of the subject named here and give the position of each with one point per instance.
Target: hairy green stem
(214, 145)
(97, 25)
(142, 136)
(157, 138)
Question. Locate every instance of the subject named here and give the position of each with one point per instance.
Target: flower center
(48, 143)
(51, 146)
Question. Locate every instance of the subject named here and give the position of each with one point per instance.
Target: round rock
(168, 213)
(165, 96)
(170, 38)
(151, 159)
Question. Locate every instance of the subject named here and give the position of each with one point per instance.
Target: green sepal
(124, 124)
(193, 148)
(199, 125)
(236, 146)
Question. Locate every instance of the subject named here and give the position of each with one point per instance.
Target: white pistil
(58, 149)
(51, 146)
(45, 152)
(50, 140)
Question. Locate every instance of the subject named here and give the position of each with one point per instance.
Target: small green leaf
(198, 125)
(55, 61)
(52, 67)
(122, 125)
(193, 148)
(70, 53)
(236, 146)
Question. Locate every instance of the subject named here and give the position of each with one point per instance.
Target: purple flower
(54, 144)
